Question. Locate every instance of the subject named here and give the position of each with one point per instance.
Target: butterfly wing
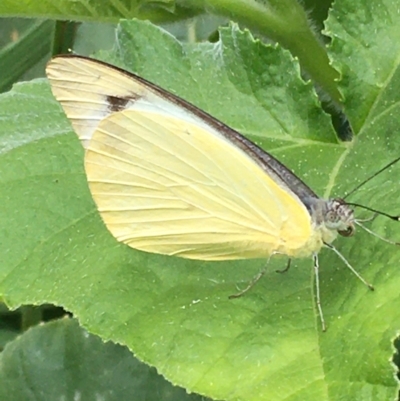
(169, 180)
(90, 90)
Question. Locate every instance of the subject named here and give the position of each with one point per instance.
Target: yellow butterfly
(169, 178)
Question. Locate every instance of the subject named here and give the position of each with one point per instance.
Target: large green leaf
(59, 360)
(283, 21)
(175, 314)
(96, 10)
(31, 45)
(365, 49)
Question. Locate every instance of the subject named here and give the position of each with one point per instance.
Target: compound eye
(348, 232)
(331, 217)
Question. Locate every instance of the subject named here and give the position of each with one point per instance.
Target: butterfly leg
(355, 272)
(317, 291)
(252, 282)
(289, 262)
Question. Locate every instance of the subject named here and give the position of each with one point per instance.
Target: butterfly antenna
(355, 272)
(390, 216)
(371, 177)
(375, 234)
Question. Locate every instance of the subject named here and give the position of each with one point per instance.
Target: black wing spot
(116, 103)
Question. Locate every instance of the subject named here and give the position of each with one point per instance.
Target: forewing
(169, 178)
(90, 90)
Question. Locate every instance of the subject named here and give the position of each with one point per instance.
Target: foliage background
(175, 314)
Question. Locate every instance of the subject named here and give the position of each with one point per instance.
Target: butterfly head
(331, 217)
(339, 217)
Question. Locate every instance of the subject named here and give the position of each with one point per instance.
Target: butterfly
(169, 178)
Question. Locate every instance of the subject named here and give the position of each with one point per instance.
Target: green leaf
(365, 49)
(283, 21)
(59, 360)
(19, 56)
(105, 11)
(173, 313)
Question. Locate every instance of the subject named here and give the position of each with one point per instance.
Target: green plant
(175, 314)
